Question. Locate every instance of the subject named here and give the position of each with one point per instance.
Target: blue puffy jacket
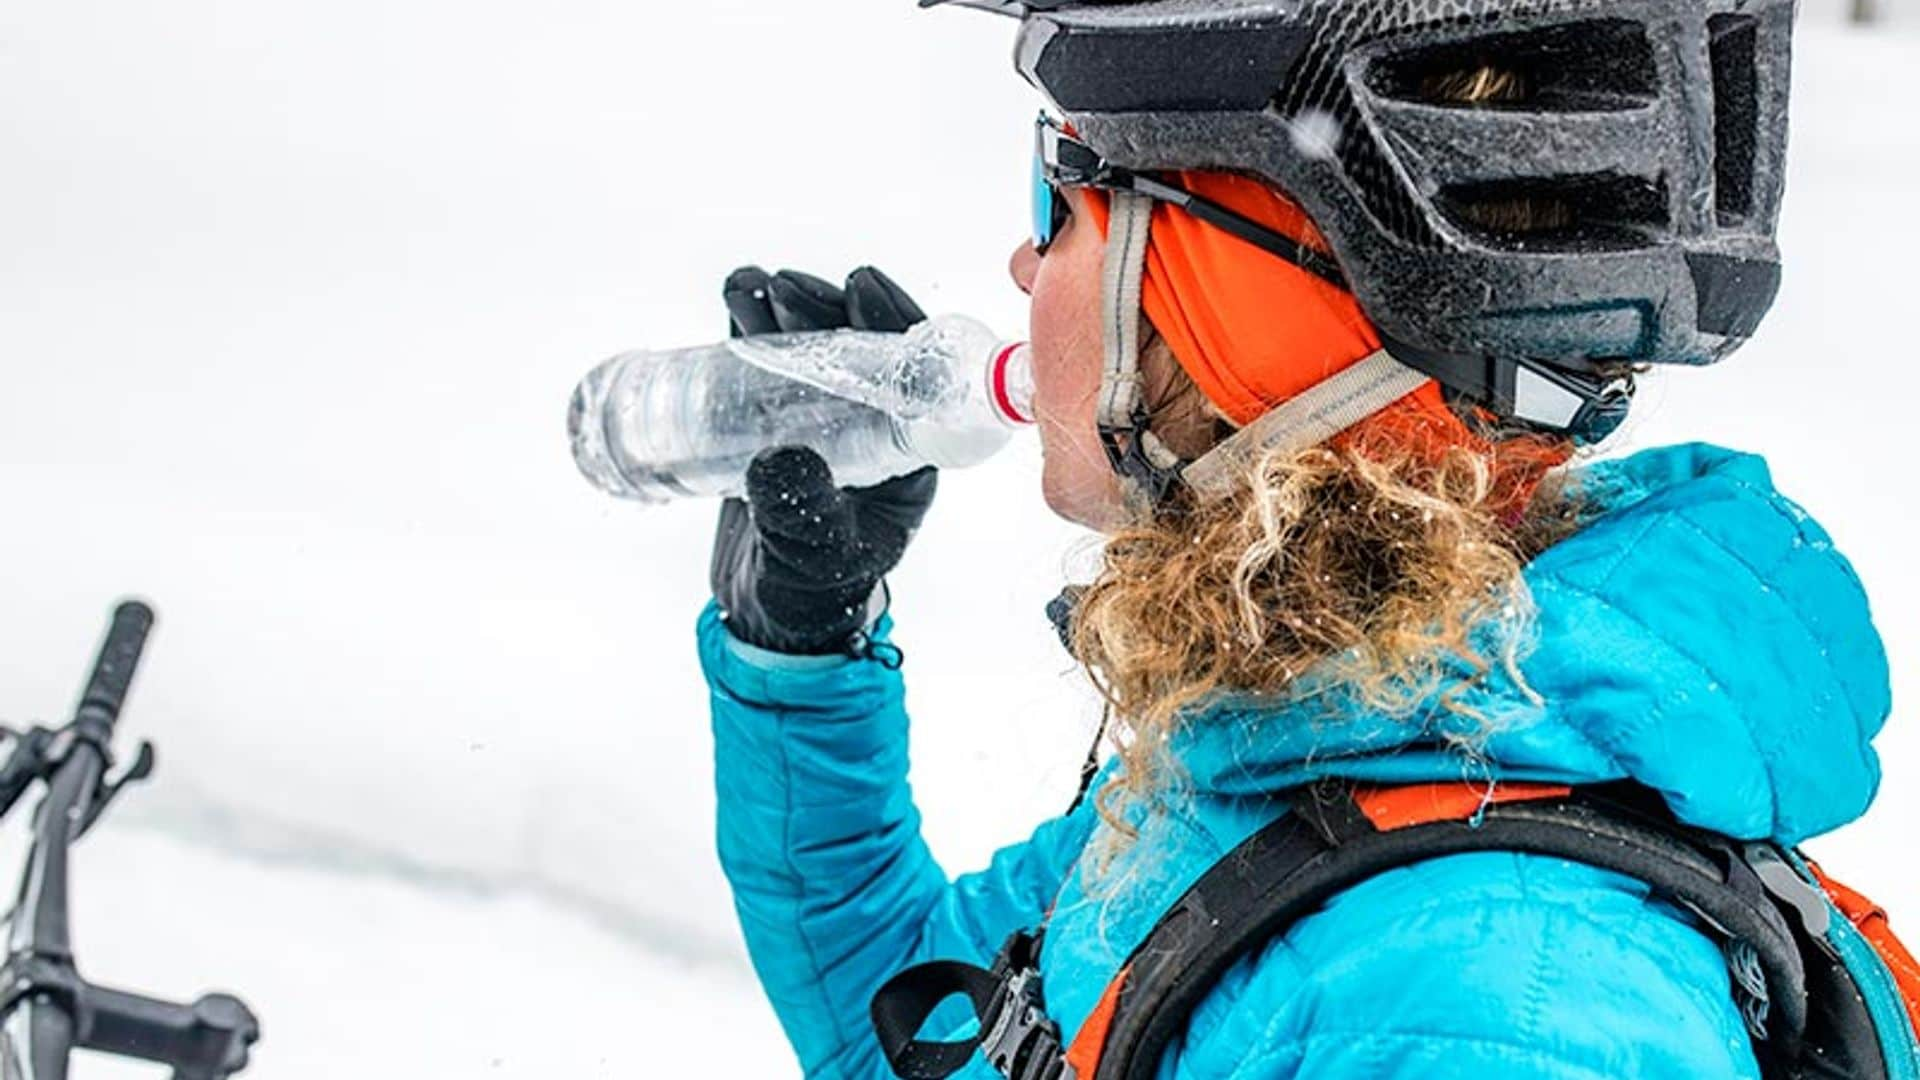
(1701, 637)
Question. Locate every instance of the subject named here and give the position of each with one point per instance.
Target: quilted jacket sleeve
(818, 835)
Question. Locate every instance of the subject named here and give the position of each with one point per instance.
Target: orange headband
(1251, 329)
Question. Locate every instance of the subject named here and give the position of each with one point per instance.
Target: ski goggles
(1061, 161)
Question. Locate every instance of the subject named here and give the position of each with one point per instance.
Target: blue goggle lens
(1050, 207)
(1043, 210)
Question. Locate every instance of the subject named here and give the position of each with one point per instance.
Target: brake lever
(140, 769)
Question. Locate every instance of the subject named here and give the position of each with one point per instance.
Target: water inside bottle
(656, 426)
(908, 375)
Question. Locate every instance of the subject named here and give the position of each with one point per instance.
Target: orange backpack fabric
(1871, 920)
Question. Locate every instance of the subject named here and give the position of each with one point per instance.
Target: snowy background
(292, 297)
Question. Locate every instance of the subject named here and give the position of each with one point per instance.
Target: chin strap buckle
(1146, 467)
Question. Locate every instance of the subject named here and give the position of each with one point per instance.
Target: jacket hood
(1700, 636)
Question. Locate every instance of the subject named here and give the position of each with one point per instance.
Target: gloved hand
(797, 564)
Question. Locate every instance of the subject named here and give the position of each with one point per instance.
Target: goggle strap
(1268, 240)
(1054, 146)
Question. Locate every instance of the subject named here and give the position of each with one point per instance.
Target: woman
(1311, 359)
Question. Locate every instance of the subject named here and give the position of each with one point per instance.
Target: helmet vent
(1593, 66)
(1599, 212)
(1733, 42)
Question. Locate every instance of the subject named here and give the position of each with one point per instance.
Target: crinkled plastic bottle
(657, 426)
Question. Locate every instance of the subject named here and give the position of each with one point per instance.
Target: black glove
(797, 564)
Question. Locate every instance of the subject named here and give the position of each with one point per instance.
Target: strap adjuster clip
(1019, 1039)
(1024, 1042)
(1786, 885)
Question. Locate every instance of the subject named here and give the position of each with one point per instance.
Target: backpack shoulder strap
(1339, 836)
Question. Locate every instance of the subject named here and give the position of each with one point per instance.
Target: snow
(291, 304)
(361, 972)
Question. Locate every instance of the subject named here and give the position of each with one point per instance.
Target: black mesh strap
(901, 1007)
(1015, 1033)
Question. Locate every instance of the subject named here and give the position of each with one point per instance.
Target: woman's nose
(1024, 266)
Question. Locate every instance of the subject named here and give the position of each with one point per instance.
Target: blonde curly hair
(1370, 563)
(1385, 562)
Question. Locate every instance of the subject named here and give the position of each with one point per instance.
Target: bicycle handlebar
(206, 1040)
(46, 1008)
(119, 656)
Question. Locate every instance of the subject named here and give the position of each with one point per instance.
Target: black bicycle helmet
(1656, 129)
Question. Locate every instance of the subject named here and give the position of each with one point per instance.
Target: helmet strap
(1148, 469)
(1146, 466)
(1309, 418)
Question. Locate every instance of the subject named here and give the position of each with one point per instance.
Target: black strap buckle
(1127, 455)
(1024, 1042)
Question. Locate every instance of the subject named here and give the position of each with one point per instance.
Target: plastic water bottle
(656, 426)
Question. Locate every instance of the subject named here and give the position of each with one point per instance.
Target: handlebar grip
(207, 1040)
(119, 655)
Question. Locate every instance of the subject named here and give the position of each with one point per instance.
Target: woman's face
(1068, 355)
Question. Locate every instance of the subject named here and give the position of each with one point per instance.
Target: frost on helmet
(1615, 202)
